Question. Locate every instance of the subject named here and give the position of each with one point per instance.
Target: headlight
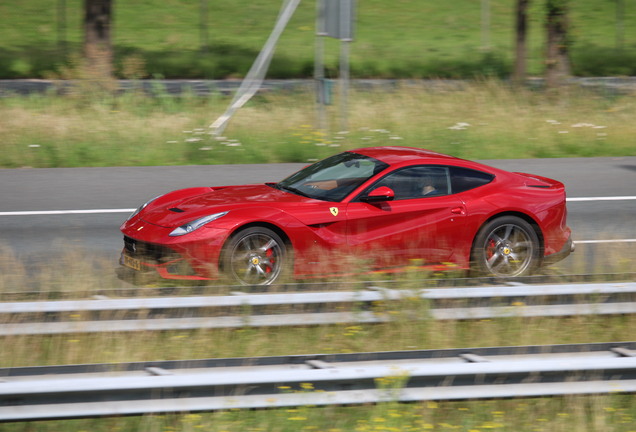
(195, 224)
(136, 212)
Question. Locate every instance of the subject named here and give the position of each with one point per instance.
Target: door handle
(458, 211)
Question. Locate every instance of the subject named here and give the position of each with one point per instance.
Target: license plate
(131, 262)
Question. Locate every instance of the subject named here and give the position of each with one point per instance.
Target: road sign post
(334, 18)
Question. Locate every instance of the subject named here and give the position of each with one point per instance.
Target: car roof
(394, 154)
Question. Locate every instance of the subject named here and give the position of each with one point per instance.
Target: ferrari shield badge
(334, 210)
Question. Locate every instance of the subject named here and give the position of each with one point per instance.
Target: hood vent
(176, 210)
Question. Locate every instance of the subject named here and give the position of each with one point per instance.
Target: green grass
(82, 274)
(485, 120)
(561, 414)
(406, 38)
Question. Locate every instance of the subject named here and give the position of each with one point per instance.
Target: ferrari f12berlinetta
(370, 209)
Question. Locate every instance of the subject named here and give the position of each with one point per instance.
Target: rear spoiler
(537, 181)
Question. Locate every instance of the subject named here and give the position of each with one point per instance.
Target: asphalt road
(30, 232)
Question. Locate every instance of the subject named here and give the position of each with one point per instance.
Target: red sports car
(360, 210)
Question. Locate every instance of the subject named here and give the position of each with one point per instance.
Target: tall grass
(614, 413)
(81, 275)
(483, 120)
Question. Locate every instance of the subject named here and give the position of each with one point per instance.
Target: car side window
(463, 179)
(417, 182)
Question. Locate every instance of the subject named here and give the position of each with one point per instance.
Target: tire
(506, 247)
(255, 256)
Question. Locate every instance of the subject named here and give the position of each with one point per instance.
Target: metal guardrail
(312, 308)
(202, 87)
(55, 392)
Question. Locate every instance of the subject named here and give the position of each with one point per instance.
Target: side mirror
(380, 194)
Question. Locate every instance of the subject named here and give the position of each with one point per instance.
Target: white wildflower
(459, 126)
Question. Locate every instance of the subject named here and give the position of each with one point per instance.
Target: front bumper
(145, 268)
(149, 250)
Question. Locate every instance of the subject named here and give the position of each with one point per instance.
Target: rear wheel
(506, 247)
(255, 256)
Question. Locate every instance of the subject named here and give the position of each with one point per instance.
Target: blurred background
(215, 39)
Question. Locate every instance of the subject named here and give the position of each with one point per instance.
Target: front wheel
(254, 256)
(506, 247)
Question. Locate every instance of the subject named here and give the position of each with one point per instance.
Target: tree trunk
(98, 49)
(521, 31)
(557, 58)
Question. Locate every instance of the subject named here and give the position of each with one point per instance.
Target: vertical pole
(346, 34)
(319, 67)
(620, 27)
(485, 24)
(203, 25)
(344, 83)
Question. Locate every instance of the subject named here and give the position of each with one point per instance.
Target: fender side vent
(176, 210)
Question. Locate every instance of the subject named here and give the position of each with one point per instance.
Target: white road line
(64, 212)
(605, 241)
(610, 198)
(98, 211)
(102, 211)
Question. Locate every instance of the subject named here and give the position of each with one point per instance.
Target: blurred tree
(557, 50)
(521, 30)
(98, 49)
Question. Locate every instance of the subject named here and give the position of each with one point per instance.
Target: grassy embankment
(485, 120)
(403, 39)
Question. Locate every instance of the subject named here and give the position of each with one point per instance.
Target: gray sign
(337, 19)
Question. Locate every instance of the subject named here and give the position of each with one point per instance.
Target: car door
(417, 226)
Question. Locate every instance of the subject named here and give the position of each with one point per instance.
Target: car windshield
(334, 178)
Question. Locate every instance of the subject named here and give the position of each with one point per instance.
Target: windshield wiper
(292, 190)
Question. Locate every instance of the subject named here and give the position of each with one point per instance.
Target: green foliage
(595, 60)
(402, 39)
(557, 7)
